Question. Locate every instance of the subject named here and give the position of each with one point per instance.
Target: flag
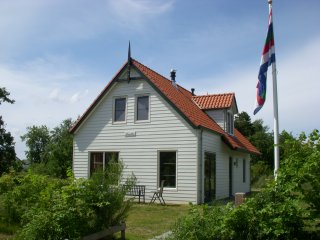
(268, 57)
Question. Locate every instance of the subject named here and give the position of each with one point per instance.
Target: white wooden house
(162, 131)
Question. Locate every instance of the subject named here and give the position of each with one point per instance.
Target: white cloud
(133, 13)
(78, 96)
(36, 24)
(46, 95)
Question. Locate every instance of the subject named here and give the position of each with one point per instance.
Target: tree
(243, 123)
(4, 96)
(259, 135)
(50, 152)
(59, 150)
(300, 169)
(7, 151)
(36, 140)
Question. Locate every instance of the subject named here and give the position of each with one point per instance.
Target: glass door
(209, 177)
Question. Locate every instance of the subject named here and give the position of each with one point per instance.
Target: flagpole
(275, 112)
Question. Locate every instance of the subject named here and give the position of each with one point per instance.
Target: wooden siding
(166, 130)
(211, 142)
(219, 116)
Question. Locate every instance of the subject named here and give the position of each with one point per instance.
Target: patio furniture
(158, 194)
(137, 191)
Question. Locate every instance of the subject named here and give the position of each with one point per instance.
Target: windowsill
(170, 189)
(142, 121)
(119, 122)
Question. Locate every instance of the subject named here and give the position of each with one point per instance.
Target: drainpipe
(200, 167)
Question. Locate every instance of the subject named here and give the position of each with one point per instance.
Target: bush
(201, 223)
(261, 174)
(20, 192)
(288, 208)
(268, 215)
(49, 208)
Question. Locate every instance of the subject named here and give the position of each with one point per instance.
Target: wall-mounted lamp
(235, 163)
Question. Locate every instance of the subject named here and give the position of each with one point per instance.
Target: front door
(209, 177)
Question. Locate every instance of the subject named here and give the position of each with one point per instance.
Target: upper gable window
(229, 123)
(142, 108)
(120, 109)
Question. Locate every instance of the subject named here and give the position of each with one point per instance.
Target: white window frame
(114, 110)
(158, 171)
(230, 122)
(136, 108)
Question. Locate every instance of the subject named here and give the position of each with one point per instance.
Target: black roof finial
(129, 52)
(129, 63)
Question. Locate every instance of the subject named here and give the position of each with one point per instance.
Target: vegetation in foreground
(147, 221)
(51, 208)
(286, 209)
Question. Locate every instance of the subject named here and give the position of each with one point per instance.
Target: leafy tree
(264, 142)
(7, 151)
(243, 124)
(36, 140)
(50, 152)
(4, 96)
(59, 151)
(301, 167)
(259, 135)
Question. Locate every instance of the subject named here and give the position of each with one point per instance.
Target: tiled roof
(183, 101)
(180, 98)
(214, 101)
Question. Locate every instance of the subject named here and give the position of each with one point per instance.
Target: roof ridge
(160, 75)
(214, 94)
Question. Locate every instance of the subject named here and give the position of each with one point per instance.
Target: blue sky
(57, 55)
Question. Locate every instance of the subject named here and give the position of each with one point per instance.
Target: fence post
(239, 198)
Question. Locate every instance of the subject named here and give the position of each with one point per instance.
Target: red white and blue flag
(268, 58)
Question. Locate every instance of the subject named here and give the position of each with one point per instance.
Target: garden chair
(158, 194)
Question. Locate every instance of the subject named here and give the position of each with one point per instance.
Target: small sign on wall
(130, 134)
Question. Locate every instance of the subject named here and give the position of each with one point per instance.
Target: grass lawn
(5, 237)
(147, 221)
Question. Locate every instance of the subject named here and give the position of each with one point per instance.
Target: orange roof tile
(180, 99)
(183, 101)
(214, 101)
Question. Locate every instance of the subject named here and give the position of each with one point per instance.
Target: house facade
(161, 131)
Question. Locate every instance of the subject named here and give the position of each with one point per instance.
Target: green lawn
(147, 221)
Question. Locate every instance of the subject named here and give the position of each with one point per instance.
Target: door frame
(212, 192)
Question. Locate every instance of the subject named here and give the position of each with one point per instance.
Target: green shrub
(50, 208)
(288, 208)
(201, 223)
(268, 215)
(20, 192)
(261, 174)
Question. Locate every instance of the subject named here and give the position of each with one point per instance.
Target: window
(229, 123)
(244, 170)
(142, 108)
(99, 160)
(120, 109)
(167, 164)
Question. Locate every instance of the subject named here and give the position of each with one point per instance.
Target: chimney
(192, 91)
(173, 77)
